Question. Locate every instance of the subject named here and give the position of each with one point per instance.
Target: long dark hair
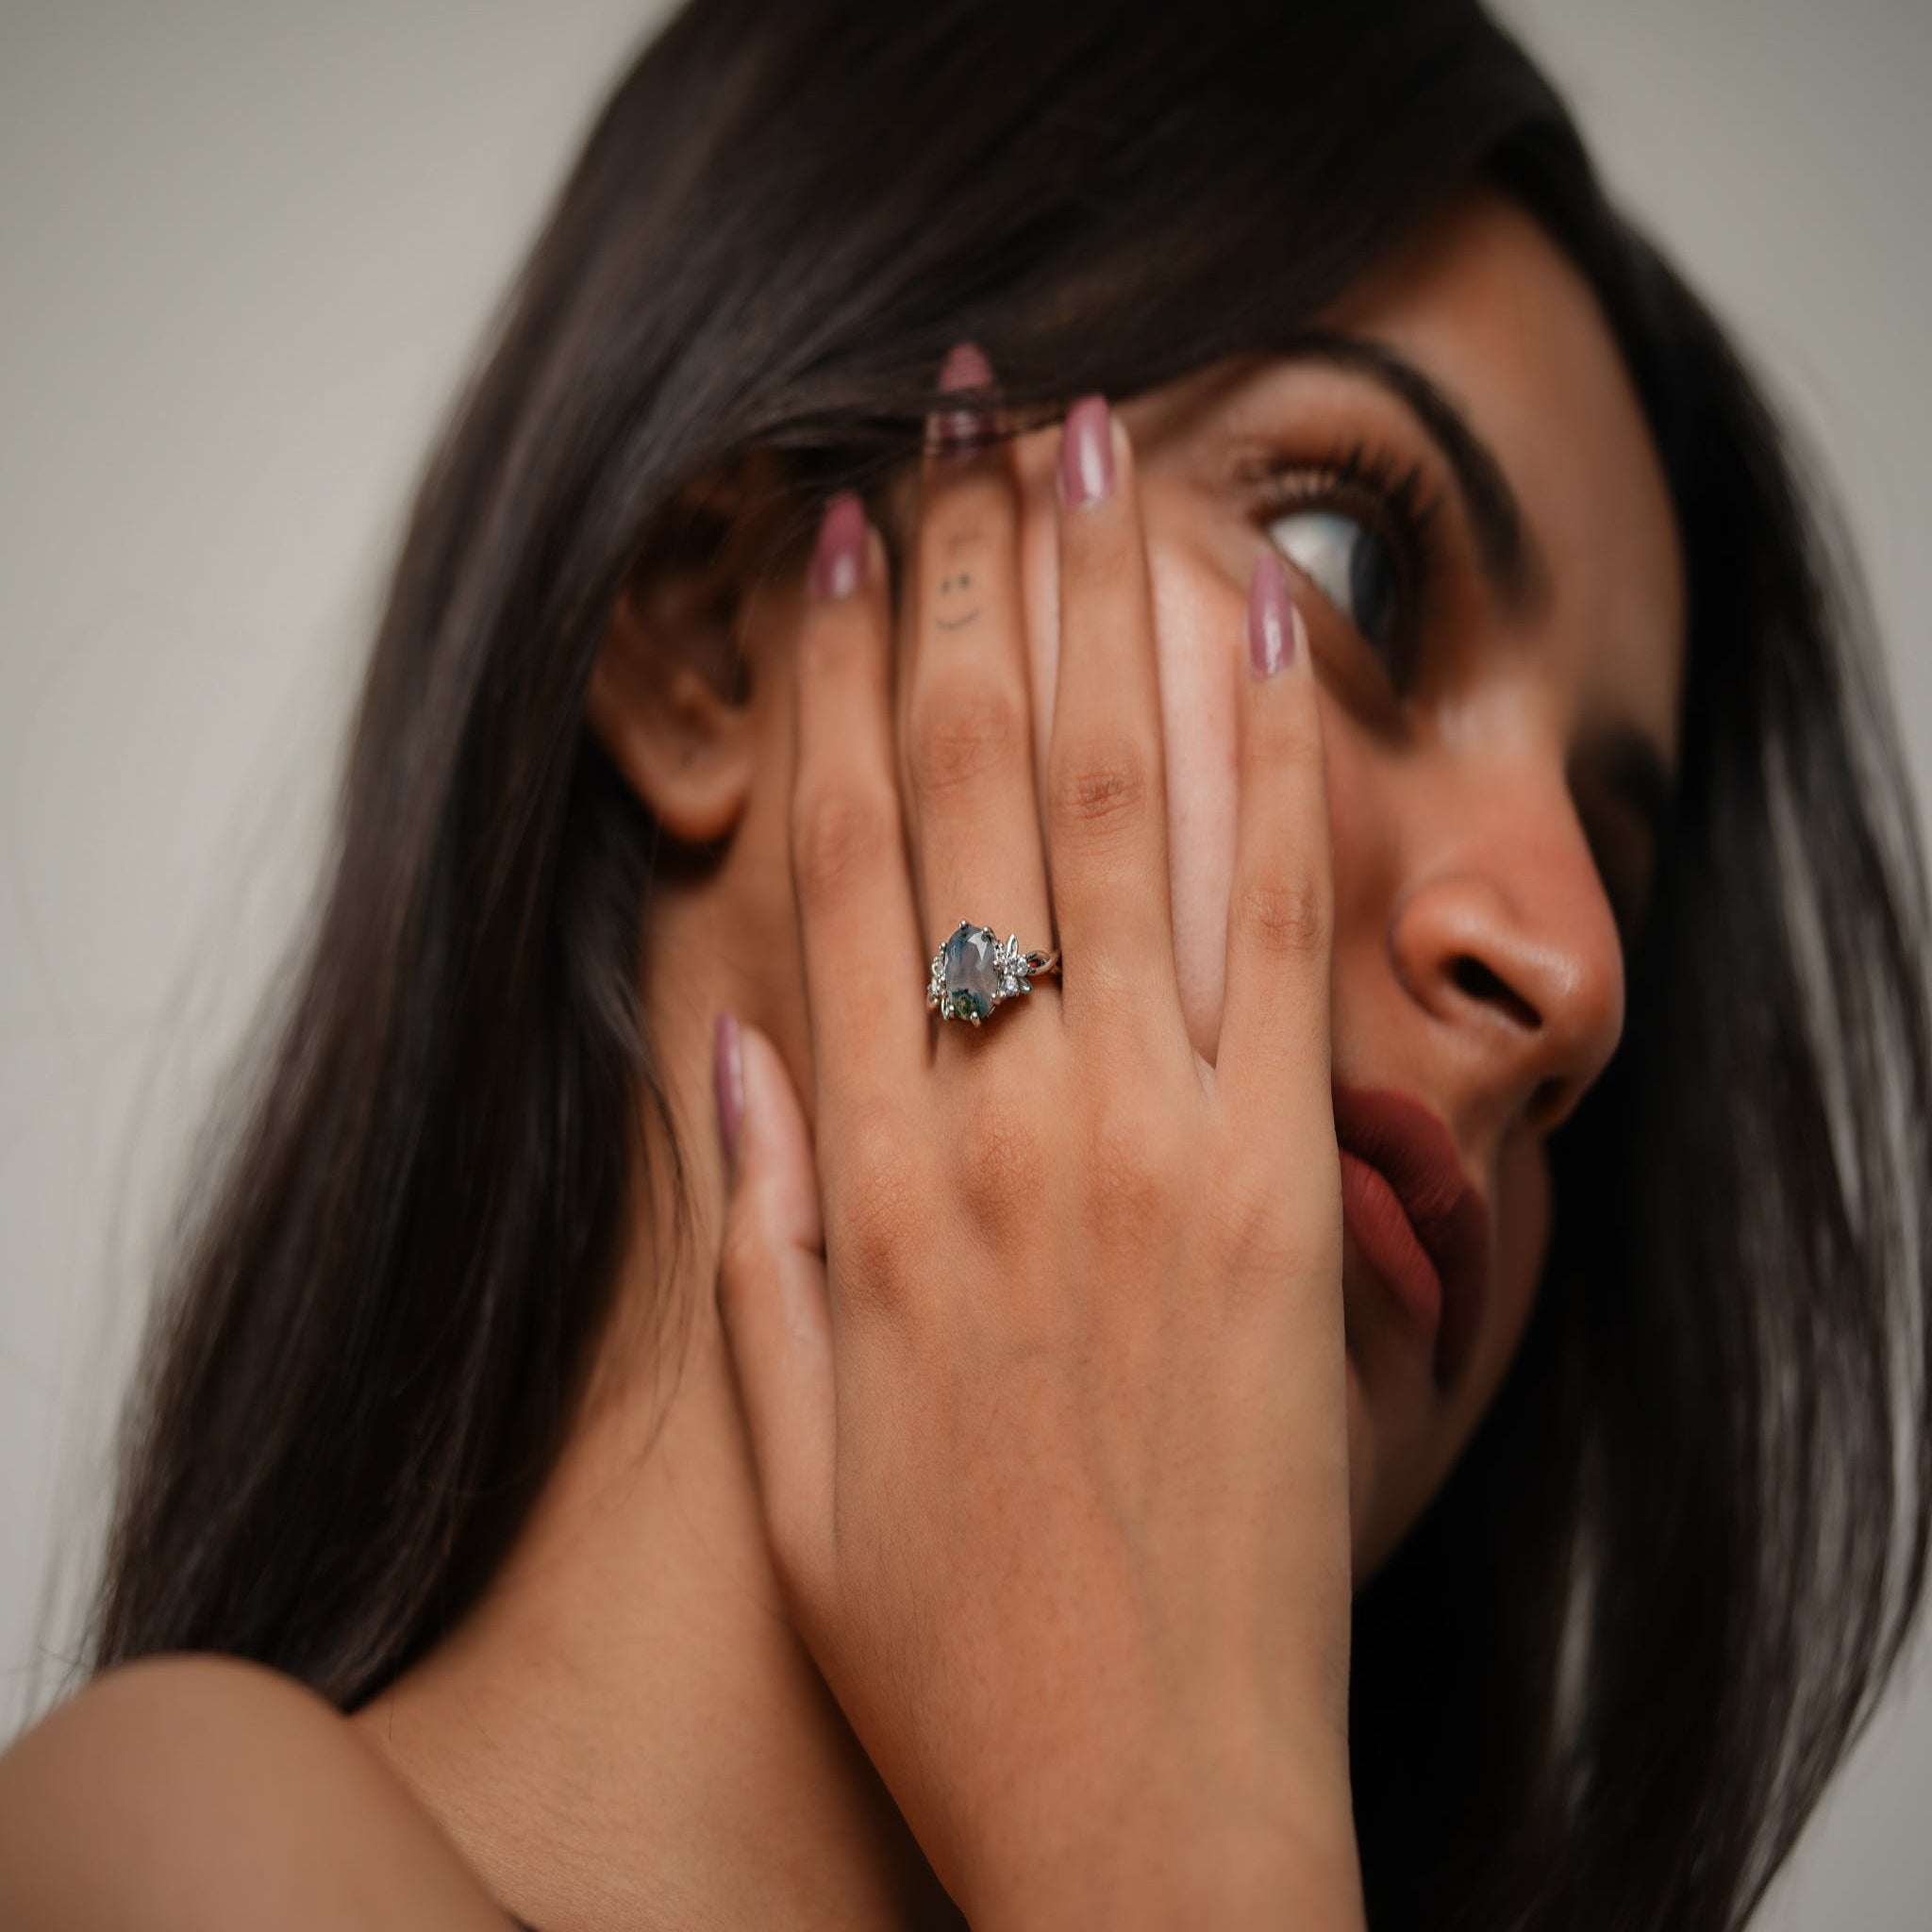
(1602, 1682)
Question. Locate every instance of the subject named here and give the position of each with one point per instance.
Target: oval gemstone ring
(972, 972)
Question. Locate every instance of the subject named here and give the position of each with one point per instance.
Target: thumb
(772, 1297)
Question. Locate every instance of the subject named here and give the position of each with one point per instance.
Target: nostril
(1549, 1105)
(1476, 979)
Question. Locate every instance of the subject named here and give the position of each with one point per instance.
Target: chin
(1380, 1510)
(1365, 1545)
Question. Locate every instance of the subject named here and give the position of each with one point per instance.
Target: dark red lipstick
(1415, 1213)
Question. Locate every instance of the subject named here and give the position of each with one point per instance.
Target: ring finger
(967, 726)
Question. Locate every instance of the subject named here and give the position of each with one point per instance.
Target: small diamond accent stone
(972, 973)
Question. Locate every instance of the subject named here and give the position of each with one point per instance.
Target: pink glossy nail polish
(958, 434)
(727, 1072)
(965, 367)
(1086, 453)
(838, 564)
(1273, 623)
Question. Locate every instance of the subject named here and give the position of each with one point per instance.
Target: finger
(967, 724)
(771, 1299)
(864, 964)
(1272, 1062)
(1107, 807)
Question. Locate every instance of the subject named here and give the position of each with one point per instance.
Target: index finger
(864, 967)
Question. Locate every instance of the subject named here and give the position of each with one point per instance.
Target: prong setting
(974, 971)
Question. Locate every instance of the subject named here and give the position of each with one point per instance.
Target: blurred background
(244, 253)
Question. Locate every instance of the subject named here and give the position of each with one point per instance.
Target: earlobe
(667, 700)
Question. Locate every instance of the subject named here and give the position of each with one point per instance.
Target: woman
(1389, 1385)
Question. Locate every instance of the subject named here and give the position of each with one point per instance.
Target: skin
(632, 1727)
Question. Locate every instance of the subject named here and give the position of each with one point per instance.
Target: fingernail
(965, 367)
(838, 564)
(1086, 453)
(727, 1072)
(958, 434)
(1276, 635)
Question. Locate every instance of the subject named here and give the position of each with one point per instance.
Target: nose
(1506, 935)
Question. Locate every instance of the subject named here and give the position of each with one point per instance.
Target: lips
(1416, 1216)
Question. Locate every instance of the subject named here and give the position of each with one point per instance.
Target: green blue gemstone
(972, 973)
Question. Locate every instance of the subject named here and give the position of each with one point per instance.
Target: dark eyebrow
(1511, 558)
(1624, 758)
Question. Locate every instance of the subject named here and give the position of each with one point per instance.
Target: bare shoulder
(209, 1793)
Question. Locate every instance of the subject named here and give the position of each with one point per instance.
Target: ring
(972, 972)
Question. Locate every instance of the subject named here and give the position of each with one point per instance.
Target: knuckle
(1272, 1221)
(1247, 1214)
(1101, 789)
(1128, 1170)
(1000, 1179)
(863, 1252)
(837, 835)
(872, 1241)
(1289, 914)
(872, 1154)
(965, 732)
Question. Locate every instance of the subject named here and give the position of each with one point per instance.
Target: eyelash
(1388, 494)
(1392, 498)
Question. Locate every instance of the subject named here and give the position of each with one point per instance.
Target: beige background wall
(243, 250)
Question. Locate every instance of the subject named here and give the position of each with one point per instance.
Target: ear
(669, 694)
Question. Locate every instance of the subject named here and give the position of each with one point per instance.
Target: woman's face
(1482, 545)
(1478, 674)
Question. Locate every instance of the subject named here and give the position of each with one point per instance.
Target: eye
(1359, 526)
(1351, 563)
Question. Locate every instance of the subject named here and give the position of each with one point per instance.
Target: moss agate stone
(973, 974)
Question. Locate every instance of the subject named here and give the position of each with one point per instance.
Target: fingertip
(966, 424)
(1096, 454)
(776, 1139)
(727, 1079)
(965, 368)
(1090, 452)
(841, 550)
(1271, 633)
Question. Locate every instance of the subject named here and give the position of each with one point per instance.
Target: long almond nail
(959, 434)
(1273, 623)
(727, 1073)
(838, 564)
(1087, 453)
